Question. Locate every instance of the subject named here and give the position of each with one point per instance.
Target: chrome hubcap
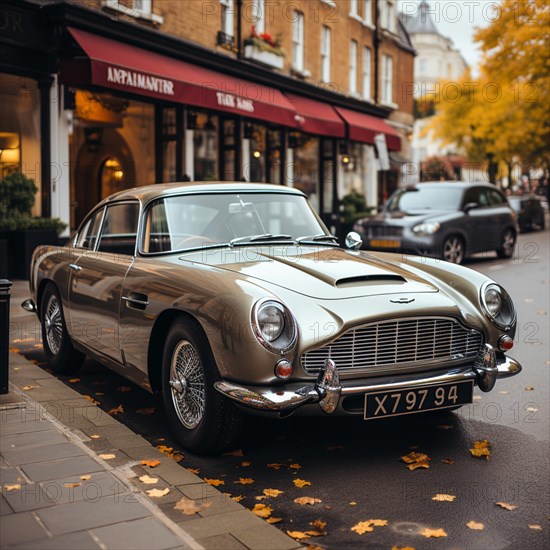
(187, 384)
(53, 323)
(453, 250)
(508, 242)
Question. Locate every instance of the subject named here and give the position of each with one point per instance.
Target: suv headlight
(274, 325)
(497, 305)
(426, 228)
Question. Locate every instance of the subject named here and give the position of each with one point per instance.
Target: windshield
(186, 222)
(426, 198)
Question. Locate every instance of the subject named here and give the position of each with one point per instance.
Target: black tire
(59, 350)
(202, 419)
(453, 249)
(507, 243)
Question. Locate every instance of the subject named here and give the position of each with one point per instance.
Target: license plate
(412, 400)
(385, 243)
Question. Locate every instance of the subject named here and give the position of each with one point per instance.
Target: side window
(483, 197)
(496, 198)
(157, 235)
(119, 231)
(90, 231)
(472, 195)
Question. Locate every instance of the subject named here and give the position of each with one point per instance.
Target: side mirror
(470, 206)
(353, 241)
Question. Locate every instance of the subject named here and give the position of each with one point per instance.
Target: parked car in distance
(234, 297)
(447, 220)
(529, 210)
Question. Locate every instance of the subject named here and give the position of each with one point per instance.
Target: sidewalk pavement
(70, 478)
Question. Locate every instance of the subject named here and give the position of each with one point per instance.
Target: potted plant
(20, 231)
(353, 207)
(264, 49)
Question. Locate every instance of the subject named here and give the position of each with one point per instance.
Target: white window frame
(353, 8)
(367, 13)
(367, 72)
(387, 79)
(227, 13)
(298, 41)
(353, 67)
(388, 16)
(141, 9)
(258, 15)
(325, 53)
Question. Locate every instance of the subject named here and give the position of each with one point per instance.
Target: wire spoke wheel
(53, 323)
(187, 384)
(453, 250)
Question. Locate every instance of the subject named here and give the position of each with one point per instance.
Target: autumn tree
(504, 113)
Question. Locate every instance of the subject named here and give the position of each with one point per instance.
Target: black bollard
(5, 286)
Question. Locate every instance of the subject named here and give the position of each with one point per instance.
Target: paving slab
(42, 453)
(56, 469)
(28, 440)
(20, 528)
(72, 541)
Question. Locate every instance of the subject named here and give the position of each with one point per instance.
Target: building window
(140, 9)
(298, 41)
(423, 65)
(258, 17)
(388, 15)
(367, 12)
(353, 8)
(387, 79)
(227, 11)
(366, 73)
(325, 54)
(353, 67)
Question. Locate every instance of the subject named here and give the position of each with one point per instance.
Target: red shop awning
(120, 66)
(315, 117)
(364, 127)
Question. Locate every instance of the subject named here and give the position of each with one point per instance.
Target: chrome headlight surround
(281, 340)
(426, 228)
(504, 317)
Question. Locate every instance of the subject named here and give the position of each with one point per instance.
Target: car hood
(324, 273)
(411, 218)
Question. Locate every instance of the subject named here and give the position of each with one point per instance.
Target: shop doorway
(104, 166)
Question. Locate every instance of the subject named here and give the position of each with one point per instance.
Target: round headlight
(493, 301)
(497, 306)
(274, 325)
(271, 321)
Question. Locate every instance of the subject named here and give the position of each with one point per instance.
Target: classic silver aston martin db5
(233, 297)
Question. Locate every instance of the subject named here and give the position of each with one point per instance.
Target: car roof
(158, 190)
(457, 184)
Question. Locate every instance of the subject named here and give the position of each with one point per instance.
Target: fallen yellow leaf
(71, 485)
(193, 470)
(147, 410)
(272, 492)
(95, 436)
(262, 510)
(444, 498)
(353, 503)
(29, 387)
(90, 398)
(214, 482)
(416, 460)
(74, 380)
(297, 535)
(150, 463)
(475, 525)
(535, 526)
(367, 526)
(275, 466)
(123, 388)
(238, 498)
(528, 388)
(319, 524)
(148, 480)
(107, 456)
(402, 548)
(190, 507)
(261, 497)
(114, 412)
(245, 481)
(433, 533)
(236, 452)
(532, 409)
(300, 483)
(295, 466)
(307, 500)
(448, 461)
(169, 451)
(157, 493)
(12, 487)
(481, 449)
(506, 506)
(274, 520)
(85, 477)
(245, 464)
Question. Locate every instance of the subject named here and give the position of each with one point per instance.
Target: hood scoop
(361, 280)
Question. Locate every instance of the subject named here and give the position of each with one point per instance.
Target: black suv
(447, 220)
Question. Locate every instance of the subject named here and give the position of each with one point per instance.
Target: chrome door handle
(75, 267)
(140, 304)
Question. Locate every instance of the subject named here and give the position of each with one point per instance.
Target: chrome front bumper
(327, 389)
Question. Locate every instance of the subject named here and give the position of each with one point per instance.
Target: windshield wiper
(321, 237)
(257, 238)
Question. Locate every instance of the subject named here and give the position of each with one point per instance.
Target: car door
(501, 215)
(478, 226)
(97, 277)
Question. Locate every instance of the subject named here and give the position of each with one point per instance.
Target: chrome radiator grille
(374, 231)
(398, 342)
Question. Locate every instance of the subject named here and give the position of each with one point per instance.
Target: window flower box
(263, 49)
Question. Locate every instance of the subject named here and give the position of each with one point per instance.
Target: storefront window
(230, 144)
(169, 144)
(112, 147)
(205, 139)
(305, 166)
(257, 169)
(274, 153)
(20, 129)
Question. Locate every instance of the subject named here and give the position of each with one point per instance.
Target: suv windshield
(434, 197)
(189, 221)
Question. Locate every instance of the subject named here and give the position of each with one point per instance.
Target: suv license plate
(413, 400)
